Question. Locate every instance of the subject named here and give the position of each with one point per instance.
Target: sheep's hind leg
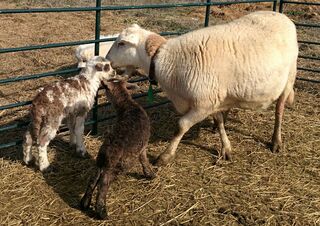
(147, 168)
(86, 199)
(226, 146)
(27, 146)
(185, 123)
(276, 138)
(105, 180)
(79, 129)
(46, 135)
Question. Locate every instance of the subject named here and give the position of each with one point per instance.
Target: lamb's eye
(121, 44)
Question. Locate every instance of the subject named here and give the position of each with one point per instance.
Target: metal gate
(98, 8)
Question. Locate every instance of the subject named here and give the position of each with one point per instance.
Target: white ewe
(247, 63)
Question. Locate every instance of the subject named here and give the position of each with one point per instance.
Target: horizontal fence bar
(307, 25)
(130, 7)
(53, 45)
(310, 42)
(308, 69)
(41, 75)
(309, 57)
(19, 104)
(65, 44)
(19, 142)
(301, 3)
(308, 80)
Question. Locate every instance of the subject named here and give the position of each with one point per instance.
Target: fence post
(206, 21)
(281, 6)
(275, 5)
(96, 53)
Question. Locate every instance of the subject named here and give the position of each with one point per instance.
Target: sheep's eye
(121, 44)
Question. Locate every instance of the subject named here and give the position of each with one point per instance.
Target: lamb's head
(118, 91)
(99, 68)
(129, 48)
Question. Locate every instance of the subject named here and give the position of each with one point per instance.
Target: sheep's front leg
(185, 123)
(86, 199)
(226, 146)
(105, 180)
(79, 129)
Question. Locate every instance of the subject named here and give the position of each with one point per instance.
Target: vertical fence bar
(275, 6)
(206, 21)
(281, 6)
(96, 53)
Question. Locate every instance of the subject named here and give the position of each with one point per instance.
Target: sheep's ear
(99, 67)
(131, 39)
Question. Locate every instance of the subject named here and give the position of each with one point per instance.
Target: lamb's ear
(99, 67)
(135, 26)
(131, 39)
(132, 86)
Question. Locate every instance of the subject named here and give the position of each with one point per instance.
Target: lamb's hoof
(82, 154)
(150, 175)
(164, 159)
(226, 154)
(101, 212)
(49, 169)
(85, 202)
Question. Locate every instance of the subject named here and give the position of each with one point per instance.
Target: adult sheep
(247, 63)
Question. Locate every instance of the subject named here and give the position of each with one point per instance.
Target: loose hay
(257, 188)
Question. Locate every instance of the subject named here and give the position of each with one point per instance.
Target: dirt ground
(257, 188)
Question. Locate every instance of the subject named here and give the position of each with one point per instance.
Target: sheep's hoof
(101, 212)
(164, 159)
(85, 202)
(276, 147)
(226, 154)
(49, 169)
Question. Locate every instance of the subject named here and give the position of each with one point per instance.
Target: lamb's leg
(71, 126)
(147, 168)
(45, 136)
(86, 199)
(276, 138)
(185, 123)
(105, 180)
(225, 143)
(79, 128)
(27, 146)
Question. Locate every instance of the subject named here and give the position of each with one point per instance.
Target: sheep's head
(99, 67)
(125, 50)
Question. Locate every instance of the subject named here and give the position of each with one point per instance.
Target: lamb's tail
(290, 98)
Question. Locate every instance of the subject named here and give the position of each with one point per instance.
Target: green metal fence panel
(98, 8)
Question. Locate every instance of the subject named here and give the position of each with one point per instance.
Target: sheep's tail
(290, 98)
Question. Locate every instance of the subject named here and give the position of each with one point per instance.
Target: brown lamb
(122, 148)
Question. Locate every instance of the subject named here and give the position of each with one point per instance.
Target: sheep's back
(247, 60)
